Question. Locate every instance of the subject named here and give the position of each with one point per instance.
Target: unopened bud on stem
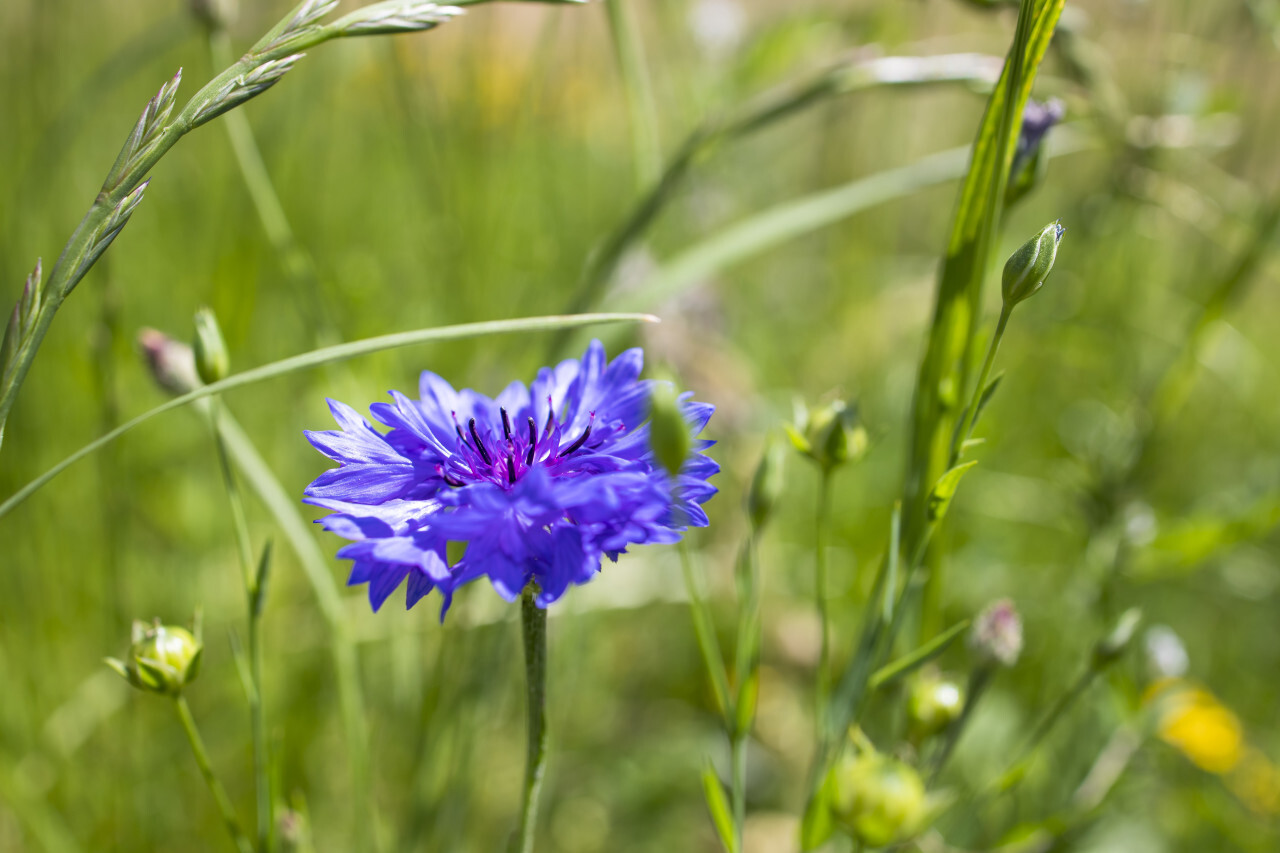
(766, 485)
(830, 436)
(162, 659)
(171, 363)
(670, 435)
(1029, 266)
(996, 636)
(879, 800)
(212, 361)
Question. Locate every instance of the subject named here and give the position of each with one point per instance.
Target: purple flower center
(482, 456)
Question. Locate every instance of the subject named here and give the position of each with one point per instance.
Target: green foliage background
(466, 174)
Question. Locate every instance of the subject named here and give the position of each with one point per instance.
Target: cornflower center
(481, 455)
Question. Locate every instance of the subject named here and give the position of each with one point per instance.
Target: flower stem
(821, 535)
(971, 413)
(206, 770)
(639, 93)
(253, 597)
(533, 620)
(978, 681)
(738, 792)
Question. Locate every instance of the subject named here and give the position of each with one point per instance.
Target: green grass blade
(916, 659)
(284, 508)
(943, 371)
(799, 217)
(705, 631)
(326, 355)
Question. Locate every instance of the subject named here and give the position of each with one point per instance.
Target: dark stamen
(533, 442)
(551, 414)
(582, 439)
(450, 480)
(506, 424)
(484, 454)
(458, 427)
(511, 470)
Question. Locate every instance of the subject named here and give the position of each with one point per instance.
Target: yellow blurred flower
(1194, 722)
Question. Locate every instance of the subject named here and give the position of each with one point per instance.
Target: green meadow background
(467, 174)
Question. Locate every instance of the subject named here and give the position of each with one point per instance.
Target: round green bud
(212, 361)
(879, 800)
(1029, 266)
(670, 436)
(831, 435)
(933, 703)
(163, 658)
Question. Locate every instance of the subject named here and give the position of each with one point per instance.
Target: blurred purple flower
(1037, 120)
(539, 483)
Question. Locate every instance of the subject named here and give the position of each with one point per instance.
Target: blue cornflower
(539, 483)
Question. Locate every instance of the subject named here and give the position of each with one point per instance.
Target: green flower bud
(933, 703)
(879, 800)
(1112, 646)
(766, 485)
(212, 362)
(830, 436)
(163, 658)
(670, 436)
(1029, 266)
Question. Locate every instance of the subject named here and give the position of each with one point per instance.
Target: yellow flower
(1195, 723)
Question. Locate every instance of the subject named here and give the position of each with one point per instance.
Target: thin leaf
(916, 659)
(945, 489)
(325, 355)
(718, 806)
(704, 629)
(817, 826)
(260, 581)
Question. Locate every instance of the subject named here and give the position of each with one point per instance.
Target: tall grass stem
(257, 713)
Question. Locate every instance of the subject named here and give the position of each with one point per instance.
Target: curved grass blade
(793, 219)
(327, 355)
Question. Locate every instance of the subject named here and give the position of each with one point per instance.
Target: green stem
(971, 414)
(931, 595)
(978, 681)
(639, 92)
(747, 670)
(821, 535)
(257, 719)
(210, 778)
(1047, 723)
(738, 786)
(533, 620)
